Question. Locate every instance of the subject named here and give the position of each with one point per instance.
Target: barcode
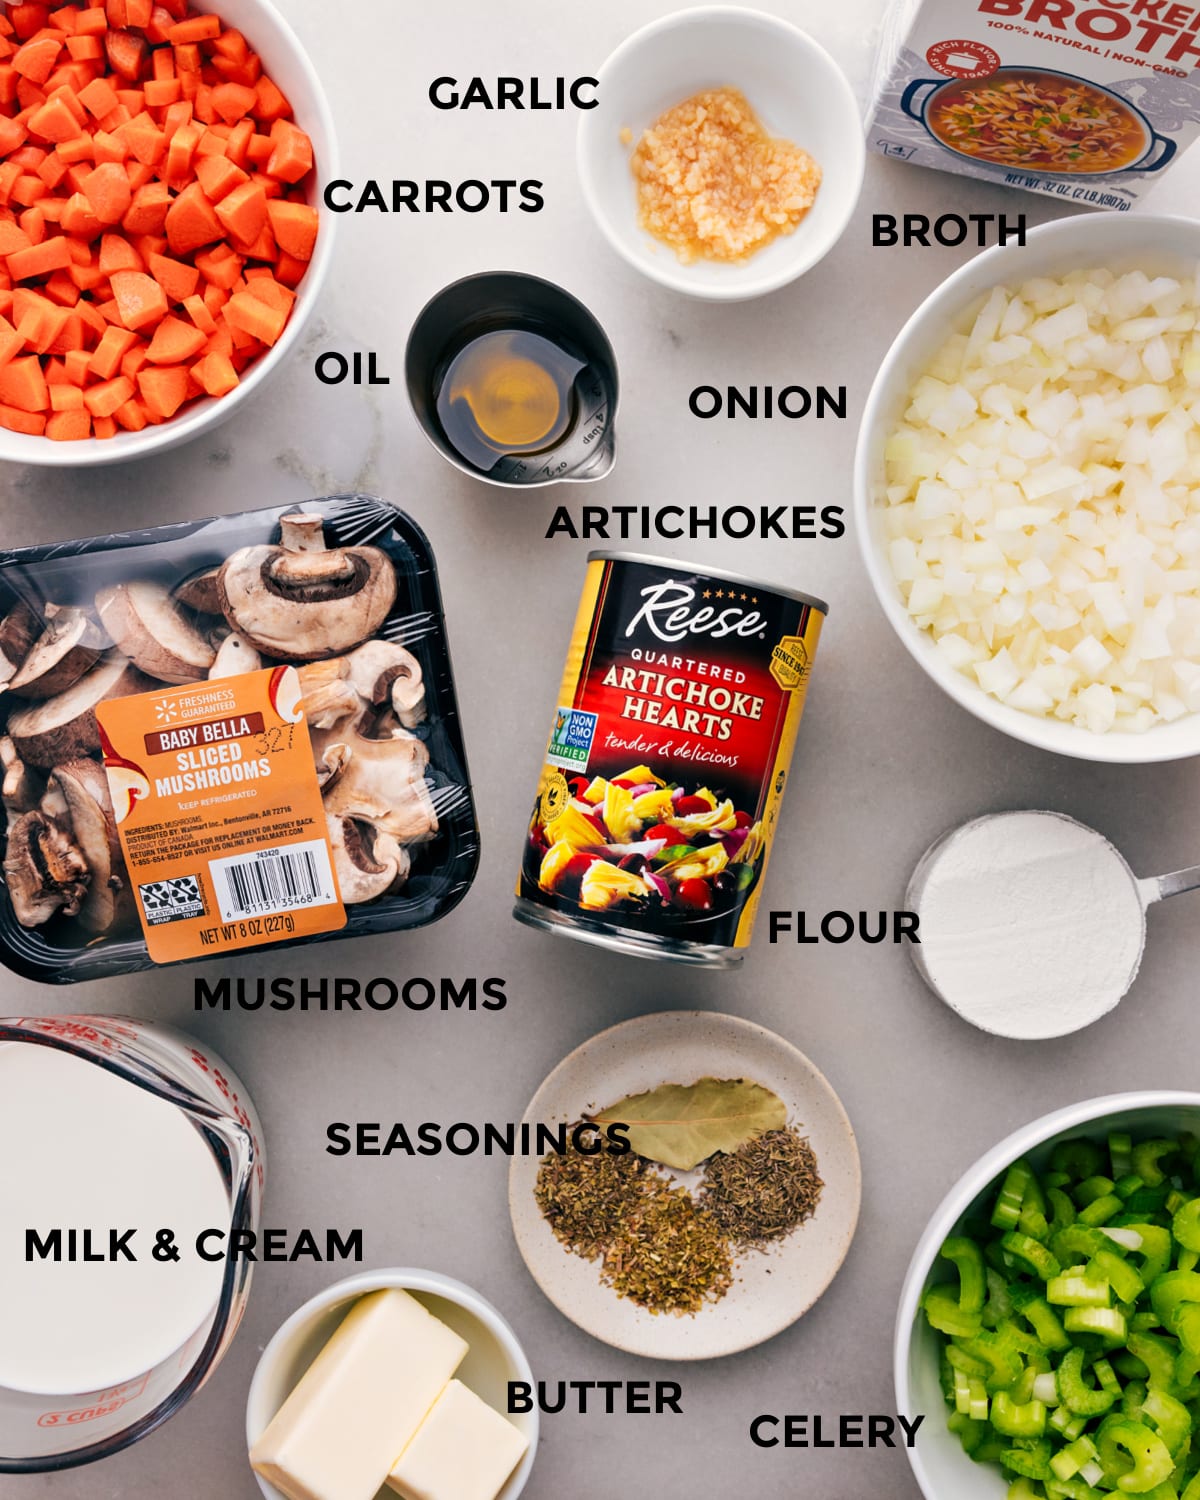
(273, 880)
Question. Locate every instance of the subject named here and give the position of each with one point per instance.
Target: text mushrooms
(153, 632)
(302, 600)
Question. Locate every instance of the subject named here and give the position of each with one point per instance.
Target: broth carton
(1085, 101)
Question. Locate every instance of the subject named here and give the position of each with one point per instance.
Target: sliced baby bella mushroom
(19, 628)
(368, 864)
(303, 600)
(21, 787)
(82, 788)
(327, 693)
(69, 646)
(154, 633)
(235, 654)
(201, 592)
(380, 782)
(385, 673)
(64, 727)
(43, 869)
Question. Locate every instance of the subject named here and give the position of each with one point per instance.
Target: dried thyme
(583, 1197)
(764, 1189)
(669, 1254)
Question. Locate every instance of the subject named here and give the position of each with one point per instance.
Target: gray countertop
(885, 763)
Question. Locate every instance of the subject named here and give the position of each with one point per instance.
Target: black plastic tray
(71, 572)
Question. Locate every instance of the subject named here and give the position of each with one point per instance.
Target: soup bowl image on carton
(1086, 105)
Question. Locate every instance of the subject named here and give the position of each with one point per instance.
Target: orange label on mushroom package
(220, 815)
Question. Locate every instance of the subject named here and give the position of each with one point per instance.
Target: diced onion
(1042, 504)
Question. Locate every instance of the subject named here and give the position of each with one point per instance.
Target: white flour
(1030, 924)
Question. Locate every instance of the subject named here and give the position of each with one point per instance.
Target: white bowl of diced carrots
(162, 243)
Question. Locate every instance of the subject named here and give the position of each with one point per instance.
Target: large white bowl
(943, 1470)
(1161, 244)
(494, 1359)
(286, 62)
(795, 88)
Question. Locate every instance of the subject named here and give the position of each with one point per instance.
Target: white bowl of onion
(1027, 487)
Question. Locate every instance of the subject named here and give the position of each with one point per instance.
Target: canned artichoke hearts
(668, 758)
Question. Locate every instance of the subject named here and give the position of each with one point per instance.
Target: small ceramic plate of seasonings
(698, 1186)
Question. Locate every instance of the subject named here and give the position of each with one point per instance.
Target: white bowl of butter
(390, 1355)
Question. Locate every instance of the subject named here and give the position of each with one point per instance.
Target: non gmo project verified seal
(571, 741)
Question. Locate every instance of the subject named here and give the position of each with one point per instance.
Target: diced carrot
(29, 157)
(107, 190)
(196, 310)
(144, 140)
(99, 98)
(52, 170)
(195, 29)
(191, 221)
(263, 248)
(243, 212)
(23, 385)
(220, 265)
(294, 225)
(238, 145)
(91, 22)
(85, 48)
(175, 342)
(140, 299)
(246, 312)
(108, 353)
(35, 60)
(234, 101)
(79, 219)
(107, 148)
(88, 278)
(163, 390)
(216, 374)
(26, 19)
(117, 254)
(270, 291)
(133, 359)
(289, 270)
(259, 149)
(147, 245)
(12, 238)
(20, 421)
(60, 288)
(221, 342)
(28, 189)
(148, 210)
(33, 222)
(104, 427)
(231, 44)
(270, 105)
(77, 150)
(8, 84)
(103, 398)
(139, 174)
(203, 108)
(39, 260)
(69, 426)
(126, 52)
(180, 150)
(12, 135)
(70, 336)
(157, 30)
(55, 120)
(93, 320)
(131, 416)
(75, 364)
(217, 175)
(63, 395)
(160, 92)
(11, 342)
(177, 279)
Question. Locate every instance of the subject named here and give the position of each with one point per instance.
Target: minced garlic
(712, 184)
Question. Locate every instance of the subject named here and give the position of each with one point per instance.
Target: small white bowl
(286, 62)
(942, 1469)
(1161, 244)
(495, 1357)
(795, 88)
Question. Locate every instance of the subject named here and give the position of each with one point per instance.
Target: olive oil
(508, 391)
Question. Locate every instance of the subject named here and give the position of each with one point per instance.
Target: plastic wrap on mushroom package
(223, 734)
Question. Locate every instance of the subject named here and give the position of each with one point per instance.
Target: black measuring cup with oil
(514, 381)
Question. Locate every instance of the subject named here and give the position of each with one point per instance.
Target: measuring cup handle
(1160, 887)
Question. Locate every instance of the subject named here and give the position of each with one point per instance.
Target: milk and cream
(82, 1148)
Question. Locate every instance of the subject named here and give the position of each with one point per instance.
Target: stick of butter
(463, 1450)
(360, 1402)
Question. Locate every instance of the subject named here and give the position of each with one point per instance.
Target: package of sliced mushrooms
(330, 613)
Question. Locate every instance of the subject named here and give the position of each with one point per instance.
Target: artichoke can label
(668, 756)
(219, 814)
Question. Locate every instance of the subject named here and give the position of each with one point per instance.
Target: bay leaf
(681, 1125)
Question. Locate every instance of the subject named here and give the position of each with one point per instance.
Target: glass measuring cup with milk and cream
(115, 1131)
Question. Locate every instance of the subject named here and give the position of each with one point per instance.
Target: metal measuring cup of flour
(1002, 951)
(506, 300)
(42, 1433)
